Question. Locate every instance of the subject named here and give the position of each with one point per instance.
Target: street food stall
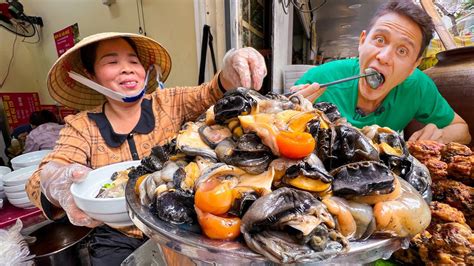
(262, 179)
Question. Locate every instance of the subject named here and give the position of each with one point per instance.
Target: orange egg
(216, 227)
(214, 196)
(295, 145)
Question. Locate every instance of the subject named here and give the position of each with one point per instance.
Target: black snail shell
(175, 206)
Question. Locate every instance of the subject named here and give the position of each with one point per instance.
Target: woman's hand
(309, 91)
(243, 67)
(56, 180)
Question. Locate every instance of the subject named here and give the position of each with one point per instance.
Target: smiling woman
(106, 75)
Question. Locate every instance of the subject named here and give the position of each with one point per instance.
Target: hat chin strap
(108, 92)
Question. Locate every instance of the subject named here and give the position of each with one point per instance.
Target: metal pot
(454, 77)
(60, 244)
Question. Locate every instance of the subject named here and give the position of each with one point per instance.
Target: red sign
(60, 111)
(50, 107)
(66, 38)
(18, 107)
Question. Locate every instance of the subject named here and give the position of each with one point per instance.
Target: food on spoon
(375, 79)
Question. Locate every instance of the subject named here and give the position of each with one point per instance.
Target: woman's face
(117, 67)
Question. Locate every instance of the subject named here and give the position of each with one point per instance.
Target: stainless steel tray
(188, 241)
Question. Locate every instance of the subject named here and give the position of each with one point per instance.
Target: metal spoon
(373, 78)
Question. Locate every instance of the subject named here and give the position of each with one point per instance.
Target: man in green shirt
(397, 36)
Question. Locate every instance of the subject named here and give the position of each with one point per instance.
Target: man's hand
(56, 180)
(429, 132)
(309, 91)
(243, 67)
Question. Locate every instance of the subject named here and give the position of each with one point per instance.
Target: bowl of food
(102, 194)
(29, 159)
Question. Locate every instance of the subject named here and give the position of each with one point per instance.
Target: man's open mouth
(374, 78)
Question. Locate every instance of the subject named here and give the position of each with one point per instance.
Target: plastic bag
(13, 247)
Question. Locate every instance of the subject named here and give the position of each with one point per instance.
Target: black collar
(144, 126)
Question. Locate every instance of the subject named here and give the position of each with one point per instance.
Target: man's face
(391, 47)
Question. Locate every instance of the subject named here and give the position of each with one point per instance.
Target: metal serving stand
(185, 243)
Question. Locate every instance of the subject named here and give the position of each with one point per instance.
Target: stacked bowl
(14, 186)
(29, 159)
(3, 171)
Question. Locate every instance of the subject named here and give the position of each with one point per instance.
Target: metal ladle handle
(379, 79)
(346, 79)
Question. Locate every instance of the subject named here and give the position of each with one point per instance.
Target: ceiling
(339, 24)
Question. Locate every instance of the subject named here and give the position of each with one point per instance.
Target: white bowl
(19, 201)
(27, 205)
(85, 193)
(28, 159)
(16, 188)
(119, 219)
(2, 195)
(4, 170)
(16, 195)
(19, 176)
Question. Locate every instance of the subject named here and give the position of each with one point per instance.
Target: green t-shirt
(416, 97)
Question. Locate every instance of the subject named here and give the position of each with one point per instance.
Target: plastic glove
(243, 67)
(56, 180)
